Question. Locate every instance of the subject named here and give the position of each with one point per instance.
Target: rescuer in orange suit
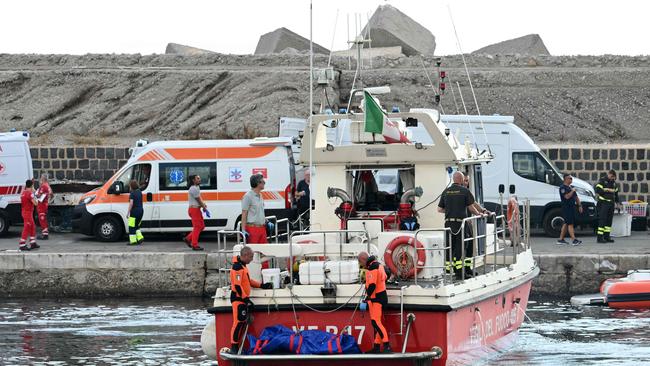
(376, 300)
(240, 289)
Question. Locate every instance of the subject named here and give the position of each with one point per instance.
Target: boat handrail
(223, 275)
(519, 241)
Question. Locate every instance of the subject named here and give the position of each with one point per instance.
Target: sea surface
(167, 332)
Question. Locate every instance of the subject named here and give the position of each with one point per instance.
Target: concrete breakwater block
(180, 49)
(389, 27)
(530, 44)
(281, 39)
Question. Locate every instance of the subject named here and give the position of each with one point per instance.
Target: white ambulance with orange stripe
(15, 169)
(162, 169)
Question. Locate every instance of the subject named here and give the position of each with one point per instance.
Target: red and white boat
(432, 318)
(629, 292)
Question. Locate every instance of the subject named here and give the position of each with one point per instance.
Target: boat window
(478, 184)
(379, 189)
(140, 172)
(174, 176)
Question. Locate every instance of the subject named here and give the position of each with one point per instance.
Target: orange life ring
(400, 241)
(513, 208)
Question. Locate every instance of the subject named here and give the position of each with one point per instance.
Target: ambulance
(15, 169)
(162, 169)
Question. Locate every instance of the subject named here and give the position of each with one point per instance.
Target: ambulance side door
(145, 175)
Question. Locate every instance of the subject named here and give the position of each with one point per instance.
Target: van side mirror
(116, 188)
(512, 189)
(502, 189)
(548, 176)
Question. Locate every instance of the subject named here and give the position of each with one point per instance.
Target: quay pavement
(74, 265)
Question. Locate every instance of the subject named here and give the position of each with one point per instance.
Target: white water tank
(271, 275)
(339, 272)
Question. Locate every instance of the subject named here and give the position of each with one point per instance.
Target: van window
(173, 176)
(531, 165)
(140, 172)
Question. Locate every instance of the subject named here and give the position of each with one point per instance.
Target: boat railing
(224, 254)
(430, 252)
(276, 225)
(474, 234)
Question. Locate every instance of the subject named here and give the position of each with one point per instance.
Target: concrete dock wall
(89, 275)
(590, 162)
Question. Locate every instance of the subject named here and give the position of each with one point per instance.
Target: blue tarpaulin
(279, 339)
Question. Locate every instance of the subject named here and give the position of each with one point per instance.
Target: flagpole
(311, 108)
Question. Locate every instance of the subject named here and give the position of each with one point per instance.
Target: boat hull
(464, 334)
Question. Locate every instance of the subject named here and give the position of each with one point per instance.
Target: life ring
(513, 208)
(400, 241)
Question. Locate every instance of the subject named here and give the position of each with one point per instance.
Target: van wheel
(108, 228)
(553, 222)
(4, 224)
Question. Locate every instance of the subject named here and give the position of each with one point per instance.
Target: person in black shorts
(135, 213)
(570, 200)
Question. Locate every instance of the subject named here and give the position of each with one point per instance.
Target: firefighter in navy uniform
(607, 195)
(376, 299)
(240, 289)
(455, 202)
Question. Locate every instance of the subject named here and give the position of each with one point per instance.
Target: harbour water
(167, 332)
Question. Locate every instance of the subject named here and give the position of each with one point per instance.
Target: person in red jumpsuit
(27, 203)
(43, 195)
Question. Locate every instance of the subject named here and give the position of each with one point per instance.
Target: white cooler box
(621, 225)
(340, 272)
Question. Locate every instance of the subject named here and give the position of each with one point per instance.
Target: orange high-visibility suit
(376, 298)
(240, 286)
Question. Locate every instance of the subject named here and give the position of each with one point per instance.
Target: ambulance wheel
(4, 224)
(553, 222)
(108, 228)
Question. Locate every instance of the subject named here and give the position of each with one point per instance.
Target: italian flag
(376, 121)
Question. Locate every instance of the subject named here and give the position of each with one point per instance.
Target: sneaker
(576, 242)
(140, 241)
(197, 248)
(601, 240)
(562, 242)
(187, 241)
(34, 246)
(23, 247)
(42, 237)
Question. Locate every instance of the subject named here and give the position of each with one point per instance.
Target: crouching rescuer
(376, 300)
(240, 289)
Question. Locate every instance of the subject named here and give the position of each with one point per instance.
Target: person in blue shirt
(570, 200)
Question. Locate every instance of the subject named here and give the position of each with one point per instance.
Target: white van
(162, 168)
(519, 165)
(15, 169)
